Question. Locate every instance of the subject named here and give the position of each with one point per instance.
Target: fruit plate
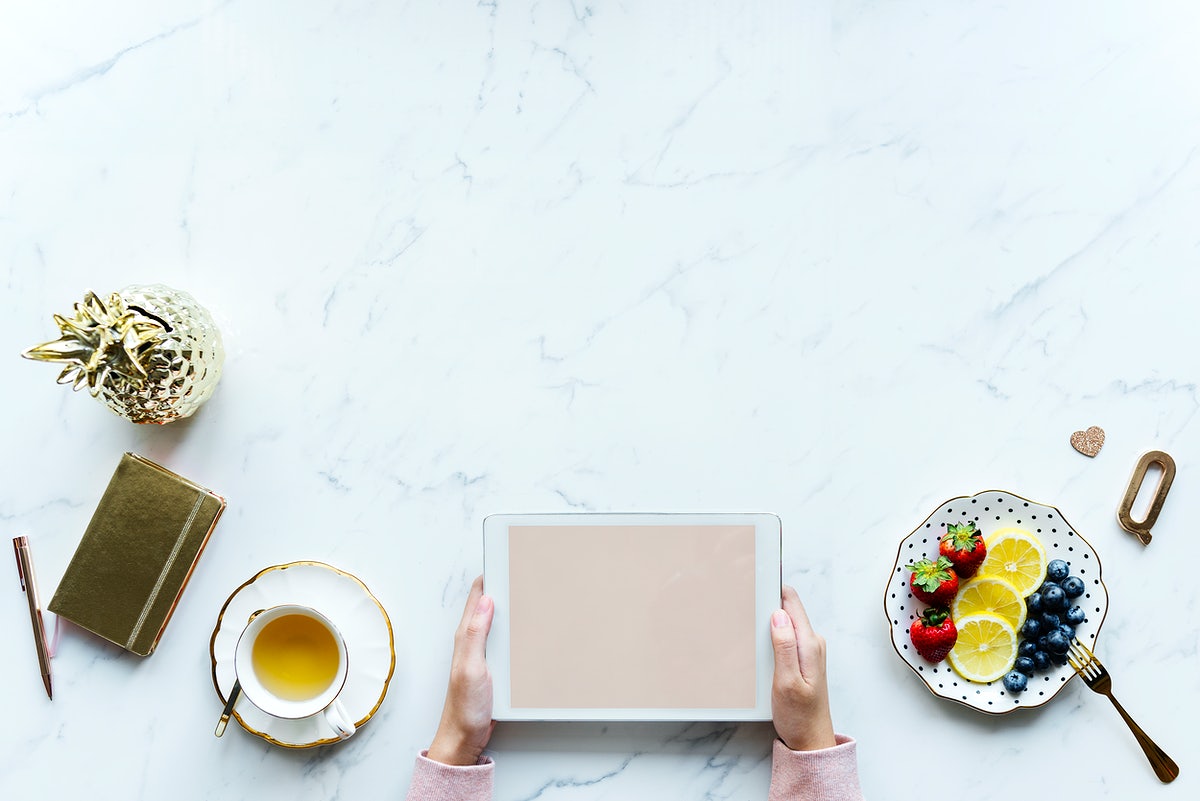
(992, 510)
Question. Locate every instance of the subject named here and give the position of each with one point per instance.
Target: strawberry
(933, 634)
(935, 583)
(963, 546)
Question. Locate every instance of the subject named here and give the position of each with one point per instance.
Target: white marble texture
(834, 260)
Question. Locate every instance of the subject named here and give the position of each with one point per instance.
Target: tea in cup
(291, 662)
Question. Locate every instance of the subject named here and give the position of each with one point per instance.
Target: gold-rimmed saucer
(358, 615)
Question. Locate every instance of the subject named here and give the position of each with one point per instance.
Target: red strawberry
(963, 546)
(933, 634)
(935, 583)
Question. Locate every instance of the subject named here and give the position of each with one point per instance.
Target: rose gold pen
(25, 571)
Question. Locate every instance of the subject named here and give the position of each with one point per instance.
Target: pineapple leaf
(100, 341)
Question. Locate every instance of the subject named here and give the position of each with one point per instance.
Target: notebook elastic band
(162, 576)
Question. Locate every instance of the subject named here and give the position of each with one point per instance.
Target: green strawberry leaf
(929, 575)
(933, 618)
(962, 537)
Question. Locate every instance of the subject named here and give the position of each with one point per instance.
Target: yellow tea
(295, 657)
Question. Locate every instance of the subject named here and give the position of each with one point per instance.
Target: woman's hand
(799, 694)
(467, 723)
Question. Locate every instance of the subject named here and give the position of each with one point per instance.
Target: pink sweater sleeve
(433, 781)
(827, 775)
(830, 774)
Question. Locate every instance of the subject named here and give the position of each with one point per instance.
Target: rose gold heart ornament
(1088, 442)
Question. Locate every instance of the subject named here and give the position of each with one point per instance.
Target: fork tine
(1081, 669)
(1075, 641)
(1079, 653)
(1083, 661)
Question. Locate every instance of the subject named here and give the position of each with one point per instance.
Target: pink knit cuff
(433, 780)
(830, 774)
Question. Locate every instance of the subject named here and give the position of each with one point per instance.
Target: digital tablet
(631, 616)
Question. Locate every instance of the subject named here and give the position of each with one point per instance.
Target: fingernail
(485, 603)
(780, 619)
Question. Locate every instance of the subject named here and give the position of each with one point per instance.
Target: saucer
(357, 614)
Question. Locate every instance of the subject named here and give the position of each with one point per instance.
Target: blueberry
(1054, 598)
(1041, 660)
(1073, 586)
(1034, 603)
(1031, 628)
(1066, 630)
(1076, 616)
(1057, 570)
(1050, 621)
(1057, 642)
(1027, 648)
(1015, 681)
(1058, 659)
(1024, 664)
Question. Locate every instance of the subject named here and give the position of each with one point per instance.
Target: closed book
(137, 554)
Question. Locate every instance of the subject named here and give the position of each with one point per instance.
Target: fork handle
(1164, 767)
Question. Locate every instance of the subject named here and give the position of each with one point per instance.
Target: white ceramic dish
(351, 607)
(992, 510)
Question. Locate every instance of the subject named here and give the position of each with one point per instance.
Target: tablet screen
(632, 616)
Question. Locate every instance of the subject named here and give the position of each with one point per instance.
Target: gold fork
(1091, 671)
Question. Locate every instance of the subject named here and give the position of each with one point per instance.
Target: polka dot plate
(990, 511)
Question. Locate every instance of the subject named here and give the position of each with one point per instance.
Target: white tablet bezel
(768, 580)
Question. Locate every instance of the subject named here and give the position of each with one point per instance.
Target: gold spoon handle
(228, 710)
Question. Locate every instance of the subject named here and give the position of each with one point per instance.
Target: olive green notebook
(137, 554)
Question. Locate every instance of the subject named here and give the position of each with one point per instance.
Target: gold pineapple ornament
(151, 353)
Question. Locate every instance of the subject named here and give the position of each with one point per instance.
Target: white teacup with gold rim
(291, 662)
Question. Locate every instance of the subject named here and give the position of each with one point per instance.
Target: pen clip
(17, 543)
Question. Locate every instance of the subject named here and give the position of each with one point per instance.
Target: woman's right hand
(799, 693)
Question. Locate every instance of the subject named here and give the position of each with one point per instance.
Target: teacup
(291, 662)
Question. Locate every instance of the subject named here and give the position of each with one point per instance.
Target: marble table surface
(834, 260)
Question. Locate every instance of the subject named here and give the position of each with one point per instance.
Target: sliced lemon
(990, 594)
(1016, 556)
(986, 647)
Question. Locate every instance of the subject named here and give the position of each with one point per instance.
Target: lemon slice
(1016, 556)
(990, 594)
(986, 647)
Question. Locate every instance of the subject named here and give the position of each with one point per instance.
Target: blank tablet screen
(627, 616)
